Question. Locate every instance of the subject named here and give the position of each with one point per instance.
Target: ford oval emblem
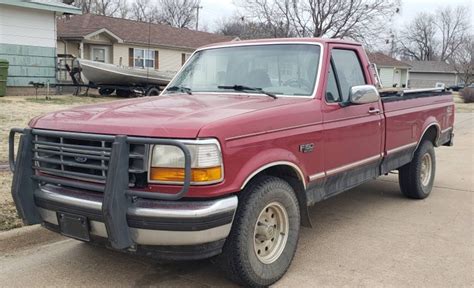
(80, 159)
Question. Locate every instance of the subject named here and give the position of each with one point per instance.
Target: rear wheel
(106, 91)
(153, 92)
(264, 234)
(416, 178)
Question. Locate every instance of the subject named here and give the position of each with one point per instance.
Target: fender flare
(428, 126)
(295, 167)
(291, 162)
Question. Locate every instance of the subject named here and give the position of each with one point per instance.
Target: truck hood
(172, 116)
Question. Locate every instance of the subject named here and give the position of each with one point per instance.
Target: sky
(214, 11)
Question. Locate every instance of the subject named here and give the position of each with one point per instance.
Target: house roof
(48, 5)
(382, 60)
(135, 32)
(431, 67)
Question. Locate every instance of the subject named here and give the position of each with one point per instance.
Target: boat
(100, 73)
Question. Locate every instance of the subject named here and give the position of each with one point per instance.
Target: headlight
(167, 163)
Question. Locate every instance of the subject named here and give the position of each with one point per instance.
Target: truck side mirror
(363, 94)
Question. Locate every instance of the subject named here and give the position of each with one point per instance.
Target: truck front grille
(86, 160)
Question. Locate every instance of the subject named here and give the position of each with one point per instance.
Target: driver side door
(353, 133)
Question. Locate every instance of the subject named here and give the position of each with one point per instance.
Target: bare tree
(123, 10)
(355, 19)
(419, 38)
(144, 11)
(435, 36)
(87, 6)
(453, 26)
(178, 13)
(118, 8)
(238, 27)
(463, 60)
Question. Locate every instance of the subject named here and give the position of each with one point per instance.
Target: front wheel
(264, 234)
(417, 177)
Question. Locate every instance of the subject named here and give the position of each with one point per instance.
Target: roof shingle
(383, 60)
(136, 32)
(431, 67)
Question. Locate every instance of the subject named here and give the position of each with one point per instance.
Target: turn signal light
(198, 175)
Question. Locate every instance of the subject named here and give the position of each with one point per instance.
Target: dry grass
(461, 106)
(8, 215)
(17, 112)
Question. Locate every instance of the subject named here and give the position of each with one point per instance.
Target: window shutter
(183, 58)
(157, 59)
(130, 57)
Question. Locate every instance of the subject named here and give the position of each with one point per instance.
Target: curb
(26, 237)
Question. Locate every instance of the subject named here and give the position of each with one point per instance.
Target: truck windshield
(280, 69)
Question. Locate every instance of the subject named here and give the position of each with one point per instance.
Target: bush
(467, 95)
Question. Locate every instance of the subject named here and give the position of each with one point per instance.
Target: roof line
(54, 7)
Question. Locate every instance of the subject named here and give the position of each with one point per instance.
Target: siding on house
(386, 76)
(390, 76)
(170, 60)
(28, 42)
(429, 80)
(68, 48)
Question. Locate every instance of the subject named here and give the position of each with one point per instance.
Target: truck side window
(332, 91)
(348, 69)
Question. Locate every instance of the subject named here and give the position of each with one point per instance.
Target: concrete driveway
(369, 236)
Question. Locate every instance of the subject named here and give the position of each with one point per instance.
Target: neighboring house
(425, 74)
(392, 72)
(130, 43)
(28, 41)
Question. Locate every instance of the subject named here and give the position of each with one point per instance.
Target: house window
(184, 57)
(143, 58)
(98, 54)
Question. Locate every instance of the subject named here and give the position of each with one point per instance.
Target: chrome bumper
(151, 222)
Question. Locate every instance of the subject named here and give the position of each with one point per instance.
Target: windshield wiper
(180, 89)
(243, 88)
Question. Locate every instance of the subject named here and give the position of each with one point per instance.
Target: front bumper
(115, 214)
(151, 222)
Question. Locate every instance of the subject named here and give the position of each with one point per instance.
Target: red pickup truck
(227, 160)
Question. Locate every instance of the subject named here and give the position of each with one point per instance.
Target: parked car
(456, 87)
(227, 160)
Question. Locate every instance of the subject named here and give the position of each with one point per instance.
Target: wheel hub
(425, 171)
(271, 232)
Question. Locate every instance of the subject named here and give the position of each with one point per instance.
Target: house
(425, 74)
(392, 72)
(28, 41)
(130, 43)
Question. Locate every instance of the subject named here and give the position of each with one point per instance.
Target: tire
(264, 197)
(106, 91)
(153, 92)
(413, 178)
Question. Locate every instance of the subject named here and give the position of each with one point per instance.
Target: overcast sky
(215, 10)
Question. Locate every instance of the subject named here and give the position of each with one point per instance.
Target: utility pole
(198, 7)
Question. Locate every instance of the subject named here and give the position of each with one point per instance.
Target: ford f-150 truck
(227, 160)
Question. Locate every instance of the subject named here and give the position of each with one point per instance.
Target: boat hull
(109, 74)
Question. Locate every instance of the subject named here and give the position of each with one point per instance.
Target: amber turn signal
(198, 175)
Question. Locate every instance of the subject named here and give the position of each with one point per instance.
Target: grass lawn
(16, 112)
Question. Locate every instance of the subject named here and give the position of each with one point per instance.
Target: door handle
(374, 111)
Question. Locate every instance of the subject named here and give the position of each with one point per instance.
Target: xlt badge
(306, 148)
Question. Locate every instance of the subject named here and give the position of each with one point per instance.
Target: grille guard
(117, 195)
